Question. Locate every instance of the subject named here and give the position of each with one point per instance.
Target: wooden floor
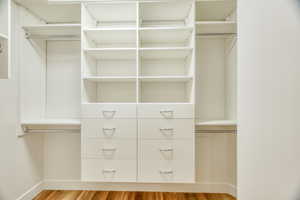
(96, 195)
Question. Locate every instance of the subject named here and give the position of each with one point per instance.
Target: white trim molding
(160, 187)
(32, 192)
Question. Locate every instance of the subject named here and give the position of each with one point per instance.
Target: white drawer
(109, 128)
(97, 170)
(167, 150)
(167, 161)
(110, 149)
(175, 171)
(166, 111)
(108, 111)
(166, 128)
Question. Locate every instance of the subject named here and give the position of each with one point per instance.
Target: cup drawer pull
(109, 131)
(166, 149)
(166, 172)
(109, 113)
(109, 171)
(167, 113)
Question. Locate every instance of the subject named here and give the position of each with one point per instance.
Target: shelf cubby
(110, 38)
(214, 10)
(166, 52)
(113, 91)
(165, 91)
(111, 53)
(110, 15)
(158, 14)
(99, 65)
(166, 36)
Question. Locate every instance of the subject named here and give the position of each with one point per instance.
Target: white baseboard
(176, 187)
(195, 188)
(32, 192)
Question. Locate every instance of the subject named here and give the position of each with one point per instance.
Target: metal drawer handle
(167, 113)
(109, 171)
(170, 131)
(109, 149)
(166, 149)
(109, 113)
(166, 172)
(109, 131)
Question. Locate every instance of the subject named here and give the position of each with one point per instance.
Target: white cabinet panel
(109, 128)
(110, 149)
(166, 128)
(108, 170)
(108, 111)
(166, 111)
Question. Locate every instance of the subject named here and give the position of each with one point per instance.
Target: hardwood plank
(112, 195)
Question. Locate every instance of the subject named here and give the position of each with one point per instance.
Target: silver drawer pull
(170, 131)
(167, 113)
(109, 149)
(166, 172)
(109, 171)
(166, 149)
(109, 113)
(109, 131)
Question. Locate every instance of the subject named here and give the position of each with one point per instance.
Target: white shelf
(165, 78)
(161, 35)
(53, 31)
(110, 78)
(166, 53)
(51, 125)
(214, 10)
(221, 126)
(3, 37)
(215, 27)
(111, 53)
(112, 36)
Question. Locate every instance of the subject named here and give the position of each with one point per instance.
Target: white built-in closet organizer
(145, 74)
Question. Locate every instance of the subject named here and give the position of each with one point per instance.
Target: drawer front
(166, 111)
(109, 128)
(167, 149)
(175, 171)
(167, 161)
(97, 170)
(166, 128)
(108, 111)
(110, 149)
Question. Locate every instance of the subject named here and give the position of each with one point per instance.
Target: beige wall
(20, 158)
(268, 98)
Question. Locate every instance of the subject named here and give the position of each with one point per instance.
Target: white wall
(268, 100)
(21, 158)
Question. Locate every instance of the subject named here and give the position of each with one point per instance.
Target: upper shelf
(155, 13)
(111, 14)
(214, 10)
(215, 27)
(53, 31)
